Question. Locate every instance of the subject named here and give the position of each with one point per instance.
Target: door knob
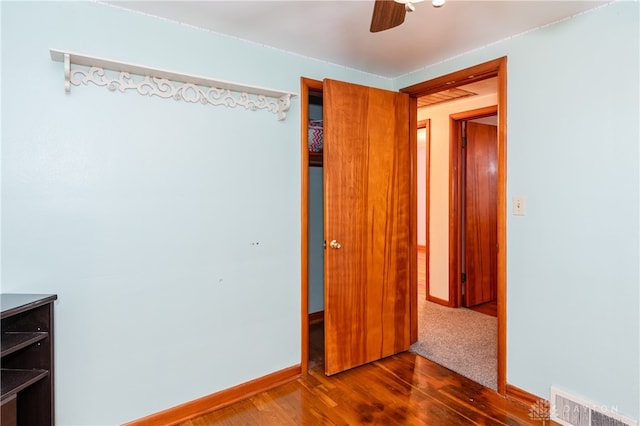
(334, 244)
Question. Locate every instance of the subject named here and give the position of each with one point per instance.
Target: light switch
(518, 205)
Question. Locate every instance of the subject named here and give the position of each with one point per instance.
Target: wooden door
(367, 211)
(480, 219)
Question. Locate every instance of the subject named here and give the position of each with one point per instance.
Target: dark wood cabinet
(27, 359)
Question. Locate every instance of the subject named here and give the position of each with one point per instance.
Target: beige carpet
(460, 339)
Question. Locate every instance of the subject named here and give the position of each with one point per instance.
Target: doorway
(495, 68)
(365, 199)
(449, 332)
(473, 252)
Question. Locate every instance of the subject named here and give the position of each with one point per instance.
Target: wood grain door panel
(480, 214)
(367, 202)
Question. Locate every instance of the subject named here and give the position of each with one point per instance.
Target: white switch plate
(518, 205)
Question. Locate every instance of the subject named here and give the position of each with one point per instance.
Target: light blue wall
(572, 152)
(141, 213)
(170, 231)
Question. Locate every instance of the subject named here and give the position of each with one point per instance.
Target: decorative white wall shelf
(169, 84)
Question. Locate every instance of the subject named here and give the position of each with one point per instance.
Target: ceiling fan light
(437, 3)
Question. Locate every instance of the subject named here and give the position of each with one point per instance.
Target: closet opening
(313, 226)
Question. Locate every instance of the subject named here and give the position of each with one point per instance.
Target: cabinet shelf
(13, 341)
(26, 352)
(13, 381)
(315, 159)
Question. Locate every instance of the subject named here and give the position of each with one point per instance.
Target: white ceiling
(338, 31)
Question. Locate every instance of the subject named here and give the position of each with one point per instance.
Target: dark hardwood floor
(403, 389)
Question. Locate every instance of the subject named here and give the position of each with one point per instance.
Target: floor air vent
(569, 410)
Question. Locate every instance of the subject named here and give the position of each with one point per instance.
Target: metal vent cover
(570, 410)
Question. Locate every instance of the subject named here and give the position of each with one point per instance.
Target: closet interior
(315, 134)
(316, 227)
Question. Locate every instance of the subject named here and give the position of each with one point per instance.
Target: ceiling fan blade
(387, 14)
